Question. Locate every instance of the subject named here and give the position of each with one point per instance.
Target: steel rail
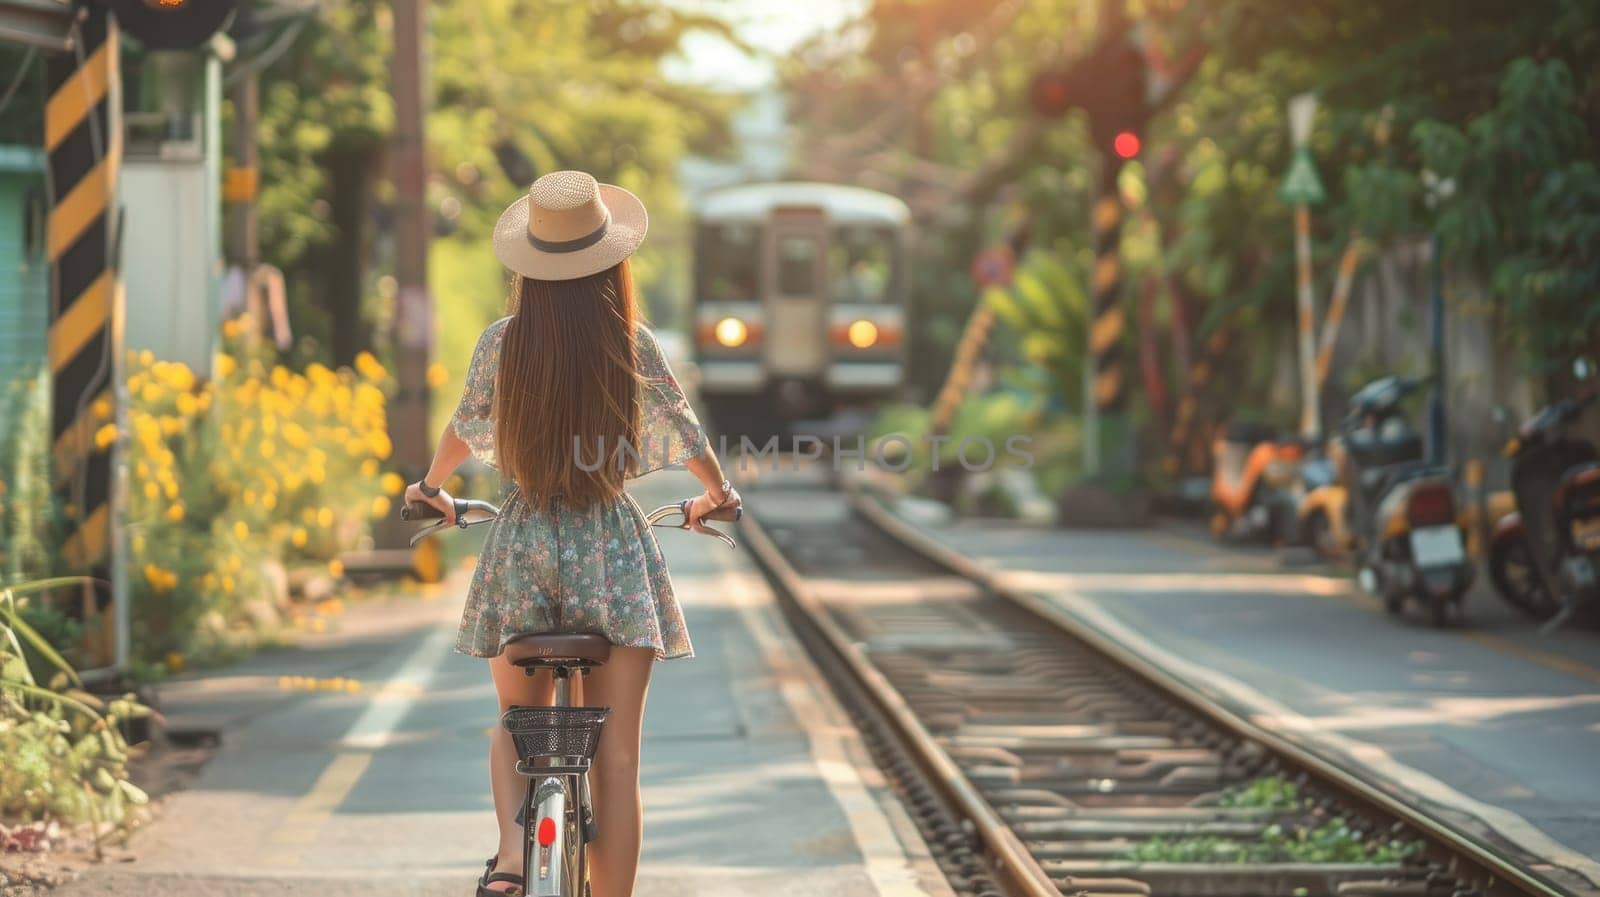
(1012, 865)
(1495, 871)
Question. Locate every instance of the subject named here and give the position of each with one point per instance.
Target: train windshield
(861, 263)
(730, 263)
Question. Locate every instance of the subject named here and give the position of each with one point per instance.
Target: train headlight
(862, 334)
(732, 332)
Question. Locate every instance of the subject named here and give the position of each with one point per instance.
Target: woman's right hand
(442, 500)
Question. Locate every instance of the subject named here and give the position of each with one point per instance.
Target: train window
(860, 264)
(797, 265)
(730, 263)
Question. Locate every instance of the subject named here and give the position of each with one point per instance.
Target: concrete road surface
(754, 782)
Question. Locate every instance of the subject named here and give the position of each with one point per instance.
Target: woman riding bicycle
(568, 397)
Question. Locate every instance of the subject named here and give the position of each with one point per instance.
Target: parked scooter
(1404, 511)
(1255, 484)
(1543, 557)
(1324, 511)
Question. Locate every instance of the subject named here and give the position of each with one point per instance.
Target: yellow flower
(438, 375)
(299, 538)
(336, 567)
(369, 467)
(225, 365)
(369, 367)
(151, 393)
(171, 490)
(241, 531)
(102, 408)
(160, 579)
(227, 583)
(393, 483)
(175, 513)
(325, 517)
(151, 490)
(106, 435)
(249, 497)
(188, 404)
(269, 500)
(147, 358)
(380, 505)
(232, 329)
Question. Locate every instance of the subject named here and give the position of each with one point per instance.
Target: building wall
(24, 270)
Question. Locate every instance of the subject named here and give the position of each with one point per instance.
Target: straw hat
(569, 226)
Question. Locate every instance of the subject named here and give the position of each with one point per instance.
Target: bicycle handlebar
(471, 512)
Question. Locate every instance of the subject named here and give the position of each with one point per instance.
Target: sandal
(516, 881)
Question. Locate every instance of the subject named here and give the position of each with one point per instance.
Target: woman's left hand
(704, 504)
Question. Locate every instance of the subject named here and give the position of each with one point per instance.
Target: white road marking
(374, 729)
(798, 682)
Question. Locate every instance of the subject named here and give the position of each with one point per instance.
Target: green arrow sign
(1301, 184)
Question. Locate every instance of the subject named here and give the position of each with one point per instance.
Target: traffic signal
(1109, 86)
(172, 24)
(1051, 93)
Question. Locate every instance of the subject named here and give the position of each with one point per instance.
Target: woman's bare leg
(614, 779)
(514, 688)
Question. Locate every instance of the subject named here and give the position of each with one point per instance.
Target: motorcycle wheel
(1518, 583)
(1439, 611)
(1319, 535)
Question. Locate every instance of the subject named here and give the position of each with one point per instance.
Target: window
(730, 263)
(861, 264)
(797, 266)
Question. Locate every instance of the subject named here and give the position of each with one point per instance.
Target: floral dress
(577, 569)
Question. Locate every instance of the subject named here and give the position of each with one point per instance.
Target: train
(800, 294)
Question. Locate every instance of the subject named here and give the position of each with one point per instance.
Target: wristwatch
(430, 491)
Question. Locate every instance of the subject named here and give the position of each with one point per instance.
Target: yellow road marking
(304, 822)
(1547, 659)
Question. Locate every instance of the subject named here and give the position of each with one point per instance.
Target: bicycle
(555, 745)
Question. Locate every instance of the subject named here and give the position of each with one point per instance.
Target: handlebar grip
(420, 510)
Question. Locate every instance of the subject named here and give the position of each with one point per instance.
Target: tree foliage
(928, 98)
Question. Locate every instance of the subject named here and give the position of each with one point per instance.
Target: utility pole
(413, 318)
(243, 177)
(1302, 188)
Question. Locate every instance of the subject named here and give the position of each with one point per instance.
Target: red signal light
(1125, 144)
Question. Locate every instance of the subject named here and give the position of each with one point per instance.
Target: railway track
(1040, 760)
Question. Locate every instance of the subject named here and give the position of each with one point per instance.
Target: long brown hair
(566, 388)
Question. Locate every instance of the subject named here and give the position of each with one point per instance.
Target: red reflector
(547, 832)
(1430, 504)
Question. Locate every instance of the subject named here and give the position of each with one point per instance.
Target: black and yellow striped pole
(1106, 389)
(83, 146)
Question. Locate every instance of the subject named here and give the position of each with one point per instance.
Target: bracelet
(726, 488)
(430, 491)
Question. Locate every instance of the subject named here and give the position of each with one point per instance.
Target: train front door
(797, 303)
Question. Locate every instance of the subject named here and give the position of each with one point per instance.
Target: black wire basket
(545, 732)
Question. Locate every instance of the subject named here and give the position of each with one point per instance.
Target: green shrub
(66, 758)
